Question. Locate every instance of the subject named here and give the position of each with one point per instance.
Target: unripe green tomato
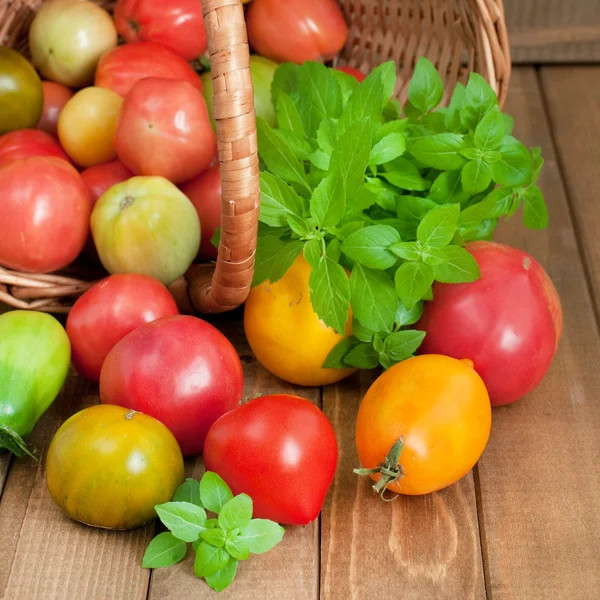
(21, 92)
(262, 71)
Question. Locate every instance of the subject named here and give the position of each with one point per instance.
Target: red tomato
(110, 310)
(164, 129)
(180, 370)
(508, 322)
(45, 214)
(102, 177)
(26, 143)
(56, 95)
(281, 451)
(124, 66)
(177, 24)
(205, 194)
(296, 30)
(358, 75)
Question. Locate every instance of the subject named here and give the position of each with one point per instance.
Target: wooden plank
(413, 548)
(573, 96)
(538, 477)
(291, 570)
(4, 465)
(43, 554)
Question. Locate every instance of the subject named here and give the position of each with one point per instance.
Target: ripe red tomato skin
(204, 192)
(296, 30)
(110, 310)
(177, 24)
(25, 143)
(358, 75)
(100, 178)
(279, 449)
(164, 129)
(56, 95)
(121, 68)
(180, 370)
(46, 211)
(508, 322)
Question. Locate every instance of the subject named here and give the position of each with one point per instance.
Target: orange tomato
(87, 123)
(286, 335)
(108, 466)
(439, 407)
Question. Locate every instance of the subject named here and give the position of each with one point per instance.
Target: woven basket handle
(226, 286)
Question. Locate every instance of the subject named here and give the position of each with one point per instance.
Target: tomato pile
(113, 156)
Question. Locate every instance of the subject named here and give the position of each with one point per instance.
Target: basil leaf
(278, 157)
(440, 151)
(476, 176)
(333, 250)
(163, 551)
(214, 537)
(350, 157)
(237, 512)
(447, 189)
(298, 146)
(312, 252)
(404, 175)
(404, 316)
(301, 227)
(410, 211)
(369, 246)
(433, 256)
(514, 166)
(439, 225)
(267, 251)
(373, 298)
(261, 535)
(452, 117)
(365, 103)
(426, 87)
(317, 83)
(330, 293)
(509, 123)
(185, 521)
(209, 559)
(489, 133)
(288, 116)
(237, 547)
(336, 355)
(472, 153)
(189, 491)
(407, 250)
(387, 75)
(362, 333)
(278, 200)
(224, 576)
(320, 159)
(402, 344)
(478, 98)
(460, 266)
(285, 80)
(363, 356)
(391, 146)
(413, 279)
(385, 197)
(327, 135)
(346, 82)
(494, 205)
(328, 201)
(309, 113)
(396, 126)
(285, 259)
(535, 211)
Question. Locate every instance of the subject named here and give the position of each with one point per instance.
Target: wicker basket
(458, 36)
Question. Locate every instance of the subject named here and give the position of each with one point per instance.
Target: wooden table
(524, 525)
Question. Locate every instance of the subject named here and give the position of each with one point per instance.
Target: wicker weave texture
(458, 36)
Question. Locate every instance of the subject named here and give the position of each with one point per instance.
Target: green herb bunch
(354, 187)
(219, 543)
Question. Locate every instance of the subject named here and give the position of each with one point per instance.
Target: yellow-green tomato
(262, 71)
(146, 225)
(21, 93)
(67, 39)
(108, 466)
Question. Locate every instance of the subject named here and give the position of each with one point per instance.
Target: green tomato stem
(10, 440)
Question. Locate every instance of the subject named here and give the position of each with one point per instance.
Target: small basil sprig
(219, 543)
(379, 205)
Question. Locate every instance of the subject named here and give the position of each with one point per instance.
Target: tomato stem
(10, 440)
(390, 470)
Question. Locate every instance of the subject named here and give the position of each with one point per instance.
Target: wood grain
(419, 547)
(291, 570)
(539, 483)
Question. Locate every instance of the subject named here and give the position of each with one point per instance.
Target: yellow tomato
(108, 466)
(286, 335)
(87, 123)
(439, 407)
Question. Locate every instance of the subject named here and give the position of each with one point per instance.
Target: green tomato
(146, 225)
(262, 71)
(34, 360)
(21, 93)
